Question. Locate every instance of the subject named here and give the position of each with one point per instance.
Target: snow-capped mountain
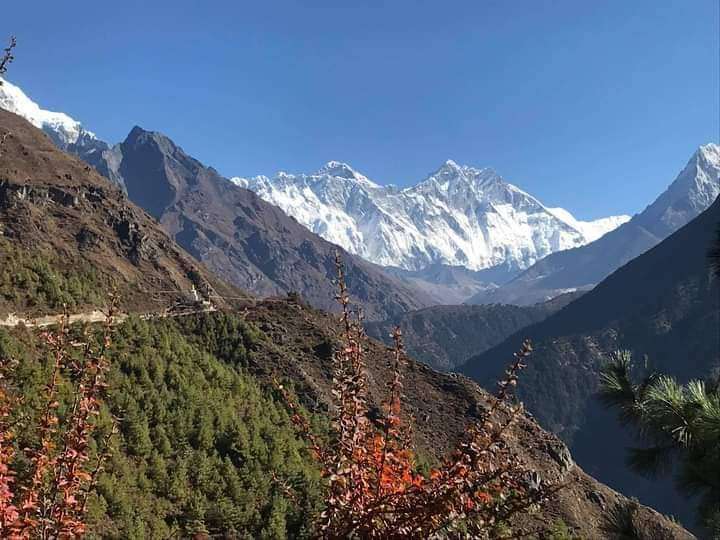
(66, 132)
(692, 192)
(458, 216)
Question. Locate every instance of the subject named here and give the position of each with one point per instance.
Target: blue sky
(593, 106)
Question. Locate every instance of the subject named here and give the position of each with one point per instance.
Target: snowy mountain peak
(711, 153)
(449, 167)
(334, 170)
(458, 215)
(454, 178)
(63, 129)
(337, 168)
(695, 188)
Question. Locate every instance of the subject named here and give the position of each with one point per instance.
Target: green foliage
(33, 280)
(198, 437)
(680, 425)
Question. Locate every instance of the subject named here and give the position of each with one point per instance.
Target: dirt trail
(90, 317)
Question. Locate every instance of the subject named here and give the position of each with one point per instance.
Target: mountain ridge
(244, 239)
(691, 192)
(458, 216)
(496, 237)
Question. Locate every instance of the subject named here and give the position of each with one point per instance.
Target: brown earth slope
(67, 235)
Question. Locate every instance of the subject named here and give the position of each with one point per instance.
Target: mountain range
(242, 238)
(460, 235)
(457, 216)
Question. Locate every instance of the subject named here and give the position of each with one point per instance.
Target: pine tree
(680, 426)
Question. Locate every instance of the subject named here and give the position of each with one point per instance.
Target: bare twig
(7, 58)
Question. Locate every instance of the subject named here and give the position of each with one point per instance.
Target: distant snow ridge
(459, 216)
(64, 130)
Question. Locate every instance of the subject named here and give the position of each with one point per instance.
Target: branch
(7, 56)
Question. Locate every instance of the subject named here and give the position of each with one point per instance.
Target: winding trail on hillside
(95, 316)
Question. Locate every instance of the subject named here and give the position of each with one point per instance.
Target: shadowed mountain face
(245, 240)
(63, 225)
(662, 306)
(694, 190)
(444, 337)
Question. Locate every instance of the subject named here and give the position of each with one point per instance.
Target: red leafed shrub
(51, 500)
(373, 487)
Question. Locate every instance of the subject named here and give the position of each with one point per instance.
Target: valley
(190, 353)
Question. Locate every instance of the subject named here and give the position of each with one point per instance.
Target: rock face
(55, 205)
(694, 190)
(457, 216)
(242, 238)
(662, 306)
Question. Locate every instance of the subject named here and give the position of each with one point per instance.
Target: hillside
(243, 239)
(201, 430)
(662, 306)
(68, 236)
(693, 190)
(444, 337)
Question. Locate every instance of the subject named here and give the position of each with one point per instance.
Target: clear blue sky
(593, 106)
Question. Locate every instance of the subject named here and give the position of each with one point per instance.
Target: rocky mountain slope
(663, 306)
(242, 238)
(457, 216)
(694, 189)
(69, 236)
(445, 337)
